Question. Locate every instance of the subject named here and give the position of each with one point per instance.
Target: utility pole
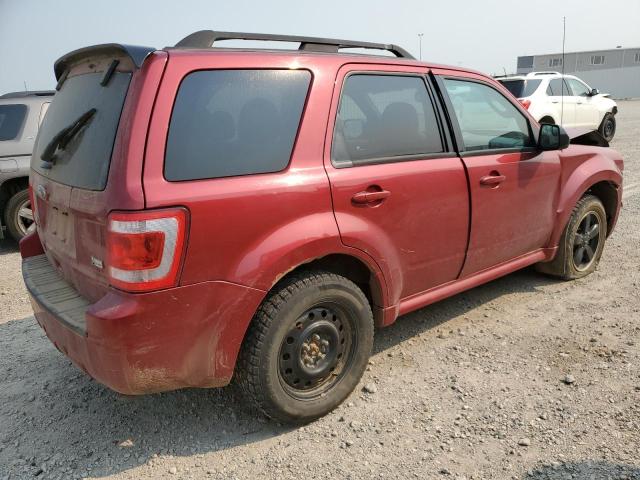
(420, 42)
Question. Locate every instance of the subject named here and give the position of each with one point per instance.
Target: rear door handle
(370, 197)
(492, 179)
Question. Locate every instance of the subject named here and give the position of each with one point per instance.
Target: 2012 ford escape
(206, 213)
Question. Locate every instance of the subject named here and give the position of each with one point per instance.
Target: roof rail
(31, 93)
(535, 74)
(206, 39)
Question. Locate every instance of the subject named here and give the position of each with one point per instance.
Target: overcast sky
(486, 35)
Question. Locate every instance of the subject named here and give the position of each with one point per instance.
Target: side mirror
(594, 92)
(552, 137)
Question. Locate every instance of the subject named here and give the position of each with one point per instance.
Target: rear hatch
(72, 160)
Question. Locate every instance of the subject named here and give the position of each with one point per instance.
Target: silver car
(20, 116)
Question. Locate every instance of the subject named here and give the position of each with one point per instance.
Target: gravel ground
(525, 377)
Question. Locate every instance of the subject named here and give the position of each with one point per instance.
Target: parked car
(565, 100)
(207, 213)
(20, 116)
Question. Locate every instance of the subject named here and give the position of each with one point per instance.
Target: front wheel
(582, 241)
(608, 127)
(307, 347)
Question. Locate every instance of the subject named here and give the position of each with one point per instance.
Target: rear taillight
(144, 249)
(525, 103)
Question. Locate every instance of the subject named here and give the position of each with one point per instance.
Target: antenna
(25, 86)
(564, 34)
(420, 41)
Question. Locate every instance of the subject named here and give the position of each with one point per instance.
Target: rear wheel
(608, 127)
(547, 120)
(307, 347)
(582, 242)
(18, 215)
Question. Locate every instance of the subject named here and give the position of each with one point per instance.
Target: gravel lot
(525, 377)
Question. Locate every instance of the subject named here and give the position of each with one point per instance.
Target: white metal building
(615, 71)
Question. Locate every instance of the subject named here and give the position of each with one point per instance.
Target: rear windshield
(84, 162)
(521, 88)
(11, 120)
(234, 122)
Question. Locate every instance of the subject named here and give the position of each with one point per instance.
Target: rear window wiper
(63, 137)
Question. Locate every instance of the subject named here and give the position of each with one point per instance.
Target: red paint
(425, 229)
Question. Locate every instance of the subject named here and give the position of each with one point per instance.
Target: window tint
(558, 87)
(234, 122)
(521, 88)
(84, 162)
(384, 116)
(11, 120)
(578, 88)
(487, 119)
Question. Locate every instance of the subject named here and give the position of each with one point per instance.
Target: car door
(563, 103)
(586, 110)
(399, 190)
(513, 185)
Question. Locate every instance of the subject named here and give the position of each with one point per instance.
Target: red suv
(203, 211)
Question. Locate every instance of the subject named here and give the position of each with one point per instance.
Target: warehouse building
(614, 71)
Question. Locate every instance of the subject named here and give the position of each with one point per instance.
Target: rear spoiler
(135, 53)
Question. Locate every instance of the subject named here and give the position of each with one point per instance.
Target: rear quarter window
(11, 120)
(234, 122)
(521, 88)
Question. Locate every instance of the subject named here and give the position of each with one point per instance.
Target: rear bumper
(142, 343)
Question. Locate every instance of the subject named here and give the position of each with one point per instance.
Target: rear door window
(11, 120)
(558, 87)
(487, 120)
(384, 118)
(234, 122)
(84, 162)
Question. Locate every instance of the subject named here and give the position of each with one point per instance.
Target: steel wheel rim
(586, 241)
(24, 217)
(316, 352)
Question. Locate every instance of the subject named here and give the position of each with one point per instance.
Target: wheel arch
(353, 265)
(547, 117)
(603, 183)
(10, 187)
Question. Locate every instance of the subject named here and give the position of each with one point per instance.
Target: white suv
(565, 100)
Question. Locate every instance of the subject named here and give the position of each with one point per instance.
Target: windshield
(521, 88)
(84, 160)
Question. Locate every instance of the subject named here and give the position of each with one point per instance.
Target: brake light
(144, 249)
(525, 103)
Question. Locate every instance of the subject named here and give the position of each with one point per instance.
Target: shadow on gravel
(436, 315)
(8, 245)
(55, 418)
(585, 470)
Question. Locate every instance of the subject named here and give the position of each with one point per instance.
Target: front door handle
(365, 197)
(492, 179)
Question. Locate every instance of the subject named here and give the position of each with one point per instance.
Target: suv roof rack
(206, 39)
(32, 93)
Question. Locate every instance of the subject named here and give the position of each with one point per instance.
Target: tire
(310, 326)
(573, 259)
(608, 127)
(18, 225)
(548, 120)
